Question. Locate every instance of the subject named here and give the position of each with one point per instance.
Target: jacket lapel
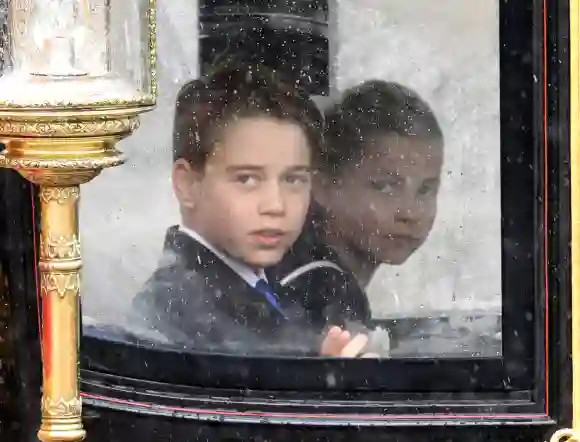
(224, 288)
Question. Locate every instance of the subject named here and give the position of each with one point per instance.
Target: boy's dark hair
(238, 90)
(369, 110)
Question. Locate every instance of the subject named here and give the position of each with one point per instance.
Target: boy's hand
(338, 343)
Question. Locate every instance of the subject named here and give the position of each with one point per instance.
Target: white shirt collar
(244, 271)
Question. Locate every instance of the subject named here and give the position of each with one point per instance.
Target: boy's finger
(344, 338)
(334, 331)
(333, 342)
(355, 346)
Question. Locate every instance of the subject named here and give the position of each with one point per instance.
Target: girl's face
(383, 207)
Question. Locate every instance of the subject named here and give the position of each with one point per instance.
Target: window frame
(468, 391)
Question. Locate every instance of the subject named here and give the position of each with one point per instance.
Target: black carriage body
(136, 391)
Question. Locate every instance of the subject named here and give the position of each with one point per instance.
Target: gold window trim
(573, 434)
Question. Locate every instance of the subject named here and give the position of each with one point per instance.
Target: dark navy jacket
(197, 301)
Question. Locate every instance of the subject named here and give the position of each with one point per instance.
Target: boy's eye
(297, 179)
(247, 179)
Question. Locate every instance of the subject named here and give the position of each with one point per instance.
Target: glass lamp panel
(78, 53)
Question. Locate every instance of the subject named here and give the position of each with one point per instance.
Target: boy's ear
(186, 181)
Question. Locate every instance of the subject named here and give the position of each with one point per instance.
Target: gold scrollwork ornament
(94, 127)
(36, 164)
(62, 284)
(61, 247)
(60, 195)
(62, 408)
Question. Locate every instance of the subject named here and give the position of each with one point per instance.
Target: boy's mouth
(268, 237)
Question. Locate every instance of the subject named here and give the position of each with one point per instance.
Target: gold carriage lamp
(75, 76)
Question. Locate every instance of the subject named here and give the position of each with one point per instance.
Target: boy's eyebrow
(255, 167)
(301, 168)
(244, 167)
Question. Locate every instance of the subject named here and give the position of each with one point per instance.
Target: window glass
(317, 180)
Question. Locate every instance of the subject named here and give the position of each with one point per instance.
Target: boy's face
(252, 197)
(384, 206)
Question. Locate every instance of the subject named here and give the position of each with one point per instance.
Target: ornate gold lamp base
(60, 154)
(61, 429)
(60, 264)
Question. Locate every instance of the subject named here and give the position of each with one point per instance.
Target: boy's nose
(272, 201)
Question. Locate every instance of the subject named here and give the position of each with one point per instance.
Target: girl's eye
(383, 186)
(429, 187)
(426, 190)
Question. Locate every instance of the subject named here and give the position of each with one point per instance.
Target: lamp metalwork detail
(76, 75)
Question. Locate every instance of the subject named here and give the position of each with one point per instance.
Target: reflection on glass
(59, 32)
(369, 227)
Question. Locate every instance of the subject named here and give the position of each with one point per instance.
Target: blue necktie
(264, 288)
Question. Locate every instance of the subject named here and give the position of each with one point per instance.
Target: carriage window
(317, 181)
